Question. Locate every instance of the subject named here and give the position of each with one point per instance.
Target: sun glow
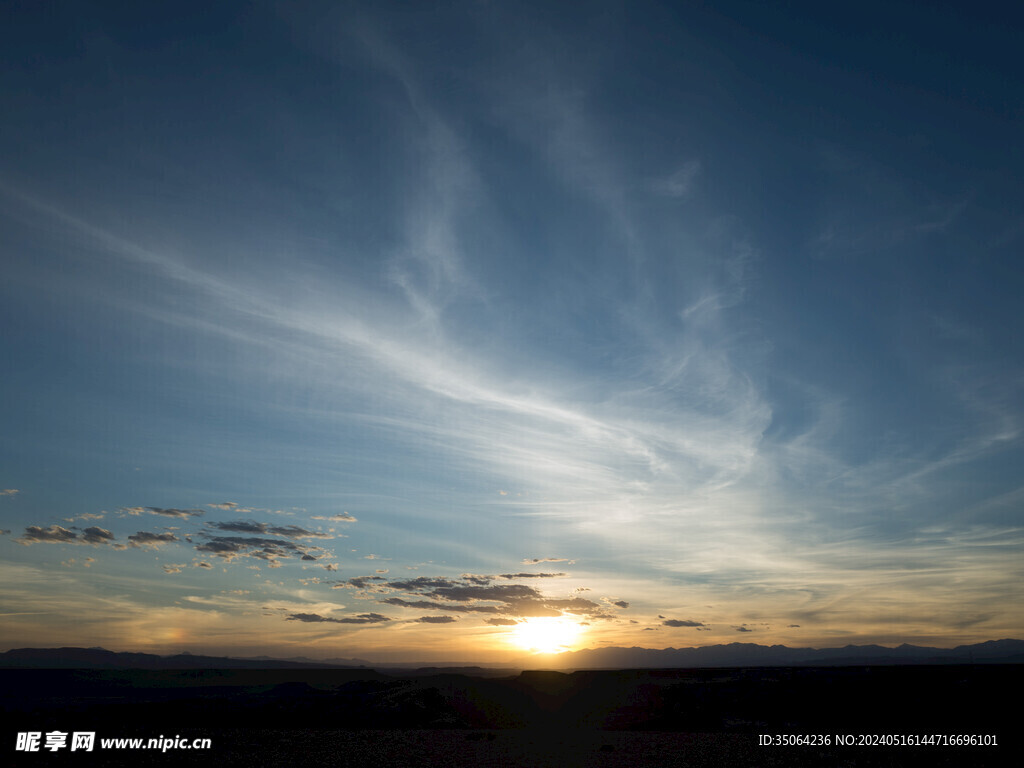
(546, 634)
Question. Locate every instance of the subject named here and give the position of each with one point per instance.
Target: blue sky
(378, 329)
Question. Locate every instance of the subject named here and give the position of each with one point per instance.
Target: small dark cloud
(56, 534)
(531, 575)
(203, 565)
(362, 582)
(362, 618)
(151, 540)
(34, 534)
(296, 532)
(742, 629)
(269, 550)
(168, 512)
(501, 622)
(502, 592)
(240, 526)
(475, 593)
(430, 605)
(94, 535)
(181, 513)
(436, 619)
(223, 546)
(621, 604)
(307, 617)
(794, 626)
(681, 623)
(250, 526)
(5, 531)
(421, 583)
(535, 560)
(476, 578)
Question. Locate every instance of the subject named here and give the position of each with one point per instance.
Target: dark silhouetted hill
(753, 655)
(713, 656)
(916, 698)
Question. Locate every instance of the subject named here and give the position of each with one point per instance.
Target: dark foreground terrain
(359, 717)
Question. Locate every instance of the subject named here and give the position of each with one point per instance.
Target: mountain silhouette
(1006, 651)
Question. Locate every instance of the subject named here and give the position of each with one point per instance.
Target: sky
(399, 330)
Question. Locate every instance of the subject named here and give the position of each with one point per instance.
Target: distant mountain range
(731, 655)
(753, 655)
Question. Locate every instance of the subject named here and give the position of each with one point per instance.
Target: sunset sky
(386, 329)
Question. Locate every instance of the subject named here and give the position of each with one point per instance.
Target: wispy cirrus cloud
(680, 183)
(86, 516)
(585, 457)
(697, 399)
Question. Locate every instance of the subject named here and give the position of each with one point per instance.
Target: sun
(547, 634)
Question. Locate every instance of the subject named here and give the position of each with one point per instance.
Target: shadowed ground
(609, 718)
